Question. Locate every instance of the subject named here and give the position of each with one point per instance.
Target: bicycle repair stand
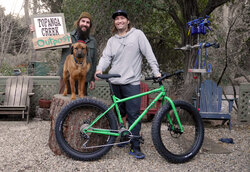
(197, 27)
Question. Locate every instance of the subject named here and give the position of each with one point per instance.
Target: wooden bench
(211, 102)
(17, 96)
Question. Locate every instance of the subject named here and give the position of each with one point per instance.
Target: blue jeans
(131, 108)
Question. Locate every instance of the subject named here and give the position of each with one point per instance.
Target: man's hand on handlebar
(158, 75)
(97, 72)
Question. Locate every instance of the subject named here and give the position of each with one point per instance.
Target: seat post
(111, 88)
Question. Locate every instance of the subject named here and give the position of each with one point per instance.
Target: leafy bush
(6, 69)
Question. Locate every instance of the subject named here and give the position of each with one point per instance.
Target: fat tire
(71, 152)
(157, 138)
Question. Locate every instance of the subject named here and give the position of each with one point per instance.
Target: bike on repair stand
(199, 27)
(87, 128)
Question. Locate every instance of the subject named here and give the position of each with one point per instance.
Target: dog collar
(76, 61)
(81, 41)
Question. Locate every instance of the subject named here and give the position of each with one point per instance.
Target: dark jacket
(91, 56)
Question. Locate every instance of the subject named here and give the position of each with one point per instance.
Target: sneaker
(136, 152)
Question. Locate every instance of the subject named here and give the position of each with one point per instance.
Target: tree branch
(211, 5)
(172, 12)
(226, 55)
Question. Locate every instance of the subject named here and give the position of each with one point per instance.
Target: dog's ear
(71, 48)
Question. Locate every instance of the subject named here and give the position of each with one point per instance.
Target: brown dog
(76, 68)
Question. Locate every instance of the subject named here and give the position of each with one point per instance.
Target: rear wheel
(76, 116)
(173, 145)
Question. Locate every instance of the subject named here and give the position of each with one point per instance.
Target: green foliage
(164, 23)
(55, 6)
(102, 11)
(201, 5)
(6, 69)
(23, 69)
(72, 10)
(158, 27)
(164, 36)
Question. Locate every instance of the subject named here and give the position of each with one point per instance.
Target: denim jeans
(131, 108)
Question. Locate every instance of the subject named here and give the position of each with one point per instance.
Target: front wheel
(169, 141)
(76, 116)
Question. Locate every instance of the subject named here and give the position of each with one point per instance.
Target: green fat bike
(177, 128)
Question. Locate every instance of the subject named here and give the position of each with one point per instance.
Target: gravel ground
(25, 148)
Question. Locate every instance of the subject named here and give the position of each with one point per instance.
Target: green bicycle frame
(162, 94)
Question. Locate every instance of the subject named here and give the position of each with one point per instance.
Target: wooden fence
(45, 87)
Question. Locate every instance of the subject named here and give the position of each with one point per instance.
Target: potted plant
(44, 103)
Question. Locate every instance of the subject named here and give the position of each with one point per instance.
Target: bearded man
(81, 33)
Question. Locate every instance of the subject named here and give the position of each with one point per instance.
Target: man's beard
(83, 35)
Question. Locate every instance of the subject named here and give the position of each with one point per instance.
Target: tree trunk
(26, 12)
(28, 22)
(189, 83)
(72, 125)
(58, 103)
(35, 6)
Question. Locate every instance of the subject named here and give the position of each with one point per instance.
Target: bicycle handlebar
(205, 45)
(199, 21)
(107, 76)
(164, 76)
(156, 79)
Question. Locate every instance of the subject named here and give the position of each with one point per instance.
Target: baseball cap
(120, 13)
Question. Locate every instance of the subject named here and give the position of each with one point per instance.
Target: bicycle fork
(176, 116)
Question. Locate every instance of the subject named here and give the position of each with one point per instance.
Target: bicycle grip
(179, 72)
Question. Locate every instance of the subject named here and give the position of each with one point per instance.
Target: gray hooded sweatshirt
(125, 53)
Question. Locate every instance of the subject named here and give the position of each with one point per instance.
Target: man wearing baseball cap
(81, 33)
(124, 51)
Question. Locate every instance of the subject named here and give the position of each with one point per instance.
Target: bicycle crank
(126, 137)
